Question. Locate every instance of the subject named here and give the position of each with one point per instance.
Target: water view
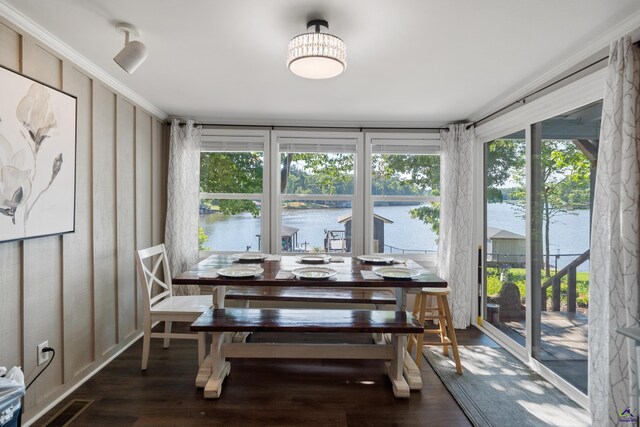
(240, 232)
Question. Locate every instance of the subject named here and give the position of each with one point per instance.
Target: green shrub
(518, 276)
(202, 239)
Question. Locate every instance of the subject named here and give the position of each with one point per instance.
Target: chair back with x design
(149, 261)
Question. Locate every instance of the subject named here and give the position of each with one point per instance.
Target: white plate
(396, 272)
(240, 271)
(250, 256)
(314, 272)
(313, 258)
(375, 258)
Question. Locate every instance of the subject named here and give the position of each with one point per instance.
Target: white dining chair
(164, 306)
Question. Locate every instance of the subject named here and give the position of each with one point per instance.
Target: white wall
(79, 291)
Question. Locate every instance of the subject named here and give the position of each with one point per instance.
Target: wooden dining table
(350, 273)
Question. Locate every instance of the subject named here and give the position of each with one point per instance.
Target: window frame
(232, 141)
(419, 140)
(362, 200)
(319, 139)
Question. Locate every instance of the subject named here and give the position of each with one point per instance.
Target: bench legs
(395, 368)
(214, 368)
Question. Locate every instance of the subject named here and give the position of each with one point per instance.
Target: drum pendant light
(316, 55)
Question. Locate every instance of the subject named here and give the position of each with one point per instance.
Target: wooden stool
(441, 312)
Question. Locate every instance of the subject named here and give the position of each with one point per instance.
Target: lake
(569, 232)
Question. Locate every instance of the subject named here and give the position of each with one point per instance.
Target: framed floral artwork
(37, 158)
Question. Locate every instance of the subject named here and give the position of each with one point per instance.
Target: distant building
(378, 231)
(289, 238)
(505, 246)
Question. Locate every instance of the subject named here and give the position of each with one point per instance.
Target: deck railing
(554, 283)
(391, 250)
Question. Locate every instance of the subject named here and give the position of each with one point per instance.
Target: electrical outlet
(43, 356)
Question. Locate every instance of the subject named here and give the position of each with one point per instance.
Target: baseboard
(73, 387)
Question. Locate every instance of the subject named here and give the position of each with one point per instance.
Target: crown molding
(625, 27)
(24, 23)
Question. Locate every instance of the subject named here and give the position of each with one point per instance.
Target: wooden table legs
(401, 369)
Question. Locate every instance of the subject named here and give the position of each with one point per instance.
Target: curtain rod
(274, 127)
(522, 100)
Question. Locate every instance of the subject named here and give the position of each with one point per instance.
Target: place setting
(375, 259)
(233, 272)
(391, 273)
(313, 259)
(316, 273)
(255, 257)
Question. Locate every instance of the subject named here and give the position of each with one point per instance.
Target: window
(404, 193)
(317, 176)
(232, 188)
(289, 191)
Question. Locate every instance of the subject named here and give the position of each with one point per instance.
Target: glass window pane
(567, 163)
(505, 273)
(317, 173)
(405, 227)
(232, 172)
(316, 226)
(229, 225)
(405, 175)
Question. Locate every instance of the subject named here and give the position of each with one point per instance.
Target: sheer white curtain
(183, 200)
(455, 252)
(615, 241)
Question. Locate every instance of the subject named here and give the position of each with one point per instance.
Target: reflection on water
(239, 232)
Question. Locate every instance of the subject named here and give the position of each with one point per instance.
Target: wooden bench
(215, 368)
(375, 297)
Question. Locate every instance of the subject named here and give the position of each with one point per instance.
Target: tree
(565, 185)
(417, 175)
(504, 157)
(232, 173)
(318, 173)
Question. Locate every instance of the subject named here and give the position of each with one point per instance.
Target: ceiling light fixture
(134, 52)
(316, 55)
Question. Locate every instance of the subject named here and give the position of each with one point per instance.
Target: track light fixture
(134, 52)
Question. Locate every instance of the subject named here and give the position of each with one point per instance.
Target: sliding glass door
(538, 197)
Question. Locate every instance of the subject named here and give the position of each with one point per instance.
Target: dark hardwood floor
(264, 392)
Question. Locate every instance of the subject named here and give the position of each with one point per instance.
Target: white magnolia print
(15, 184)
(18, 169)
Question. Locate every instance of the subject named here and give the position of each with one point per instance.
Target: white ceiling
(410, 62)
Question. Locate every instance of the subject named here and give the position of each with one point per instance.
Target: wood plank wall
(79, 291)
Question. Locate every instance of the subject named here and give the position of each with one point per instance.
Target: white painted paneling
(77, 271)
(10, 304)
(9, 48)
(48, 69)
(159, 184)
(42, 265)
(104, 218)
(143, 192)
(125, 186)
